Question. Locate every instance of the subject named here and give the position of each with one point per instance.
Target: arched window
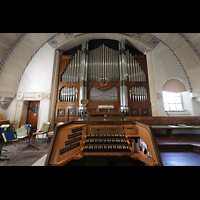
(172, 95)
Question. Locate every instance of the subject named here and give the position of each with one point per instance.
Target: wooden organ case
(104, 76)
(68, 90)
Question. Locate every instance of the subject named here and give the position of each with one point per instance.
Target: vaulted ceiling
(17, 50)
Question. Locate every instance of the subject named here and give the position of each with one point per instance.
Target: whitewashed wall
(35, 84)
(166, 66)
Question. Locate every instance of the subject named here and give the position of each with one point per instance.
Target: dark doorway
(33, 110)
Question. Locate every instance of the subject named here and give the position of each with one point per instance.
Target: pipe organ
(104, 76)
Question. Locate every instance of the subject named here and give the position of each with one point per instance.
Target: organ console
(113, 137)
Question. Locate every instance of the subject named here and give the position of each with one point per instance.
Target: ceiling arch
(18, 49)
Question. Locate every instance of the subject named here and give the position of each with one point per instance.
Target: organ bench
(111, 137)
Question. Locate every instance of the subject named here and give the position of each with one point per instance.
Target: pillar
(152, 84)
(54, 89)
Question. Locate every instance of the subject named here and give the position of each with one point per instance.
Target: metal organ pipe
(69, 94)
(121, 78)
(71, 74)
(134, 70)
(83, 76)
(123, 90)
(103, 64)
(130, 68)
(138, 94)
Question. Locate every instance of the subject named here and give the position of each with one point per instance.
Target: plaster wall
(35, 85)
(166, 66)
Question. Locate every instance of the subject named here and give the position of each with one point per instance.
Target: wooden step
(175, 147)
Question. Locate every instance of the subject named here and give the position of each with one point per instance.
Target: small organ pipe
(70, 89)
(138, 93)
(69, 94)
(67, 98)
(76, 94)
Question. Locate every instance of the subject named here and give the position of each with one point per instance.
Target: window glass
(179, 107)
(172, 101)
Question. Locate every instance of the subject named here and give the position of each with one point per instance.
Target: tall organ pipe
(121, 78)
(83, 77)
(124, 78)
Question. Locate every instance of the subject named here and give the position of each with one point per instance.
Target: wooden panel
(130, 129)
(158, 120)
(104, 129)
(64, 60)
(69, 109)
(146, 135)
(66, 113)
(60, 155)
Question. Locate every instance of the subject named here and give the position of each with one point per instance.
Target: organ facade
(105, 76)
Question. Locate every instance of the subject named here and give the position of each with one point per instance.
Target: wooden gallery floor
(180, 150)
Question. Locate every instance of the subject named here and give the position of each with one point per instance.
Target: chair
(50, 134)
(27, 127)
(5, 126)
(44, 129)
(5, 137)
(21, 134)
(8, 127)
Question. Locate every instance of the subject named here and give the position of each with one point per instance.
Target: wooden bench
(170, 128)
